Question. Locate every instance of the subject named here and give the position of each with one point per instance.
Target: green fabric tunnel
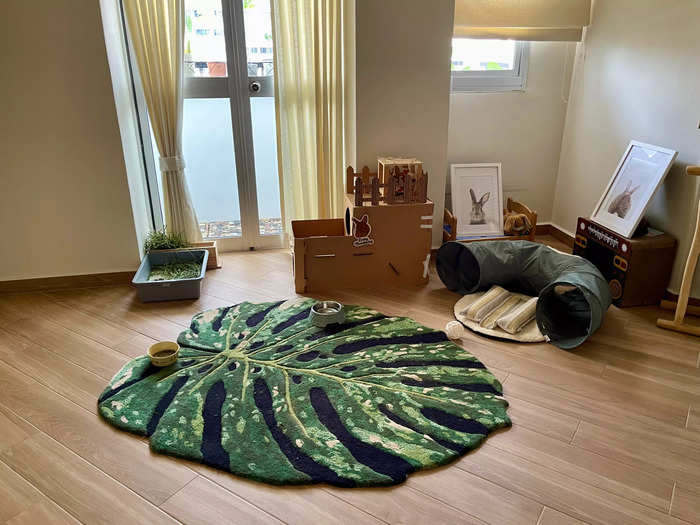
(573, 294)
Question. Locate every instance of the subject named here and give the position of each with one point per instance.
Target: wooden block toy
(397, 173)
(380, 241)
(398, 165)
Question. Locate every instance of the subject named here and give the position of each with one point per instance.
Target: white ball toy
(454, 330)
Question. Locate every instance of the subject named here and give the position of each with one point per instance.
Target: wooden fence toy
(367, 187)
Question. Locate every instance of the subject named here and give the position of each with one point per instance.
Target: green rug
(260, 392)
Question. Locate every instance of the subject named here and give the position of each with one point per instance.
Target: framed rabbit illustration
(628, 194)
(477, 199)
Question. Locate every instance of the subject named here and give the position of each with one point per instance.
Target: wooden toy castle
(384, 238)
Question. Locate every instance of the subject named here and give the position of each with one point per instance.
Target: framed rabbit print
(477, 199)
(628, 194)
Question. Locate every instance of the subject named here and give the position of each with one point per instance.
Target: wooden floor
(609, 433)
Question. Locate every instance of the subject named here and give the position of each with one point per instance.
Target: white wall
(636, 77)
(520, 129)
(402, 86)
(64, 202)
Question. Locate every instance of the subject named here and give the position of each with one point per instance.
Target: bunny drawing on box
(361, 228)
(622, 203)
(477, 215)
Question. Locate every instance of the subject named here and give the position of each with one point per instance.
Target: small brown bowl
(164, 353)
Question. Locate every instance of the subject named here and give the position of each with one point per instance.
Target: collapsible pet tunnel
(573, 294)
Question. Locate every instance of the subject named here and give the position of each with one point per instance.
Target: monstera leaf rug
(260, 392)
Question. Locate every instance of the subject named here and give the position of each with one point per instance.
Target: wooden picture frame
(477, 199)
(633, 185)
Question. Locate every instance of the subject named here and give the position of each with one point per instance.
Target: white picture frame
(477, 199)
(637, 177)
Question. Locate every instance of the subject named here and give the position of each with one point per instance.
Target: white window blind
(548, 20)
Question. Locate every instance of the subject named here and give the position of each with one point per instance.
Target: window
(205, 42)
(488, 65)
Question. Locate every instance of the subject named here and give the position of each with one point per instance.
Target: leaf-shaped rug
(260, 392)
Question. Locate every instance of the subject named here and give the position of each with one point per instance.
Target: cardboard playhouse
(384, 238)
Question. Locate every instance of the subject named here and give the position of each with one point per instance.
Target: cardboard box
(373, 245)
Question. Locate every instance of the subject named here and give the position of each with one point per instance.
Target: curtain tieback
(172, 163)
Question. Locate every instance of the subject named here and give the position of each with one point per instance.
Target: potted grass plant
(161, 240)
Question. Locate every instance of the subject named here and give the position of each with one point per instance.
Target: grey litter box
(173, 289)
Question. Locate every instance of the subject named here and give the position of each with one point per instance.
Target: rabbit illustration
(477, 215)
(621, 204)
(361, 228)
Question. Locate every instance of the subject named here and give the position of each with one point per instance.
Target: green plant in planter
(162, 240)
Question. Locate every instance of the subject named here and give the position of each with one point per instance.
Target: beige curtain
(522, 19)
(309, 99)
(157, 33)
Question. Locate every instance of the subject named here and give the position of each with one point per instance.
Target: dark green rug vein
(260, 392)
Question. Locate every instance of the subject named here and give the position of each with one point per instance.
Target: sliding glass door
(229, 141)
